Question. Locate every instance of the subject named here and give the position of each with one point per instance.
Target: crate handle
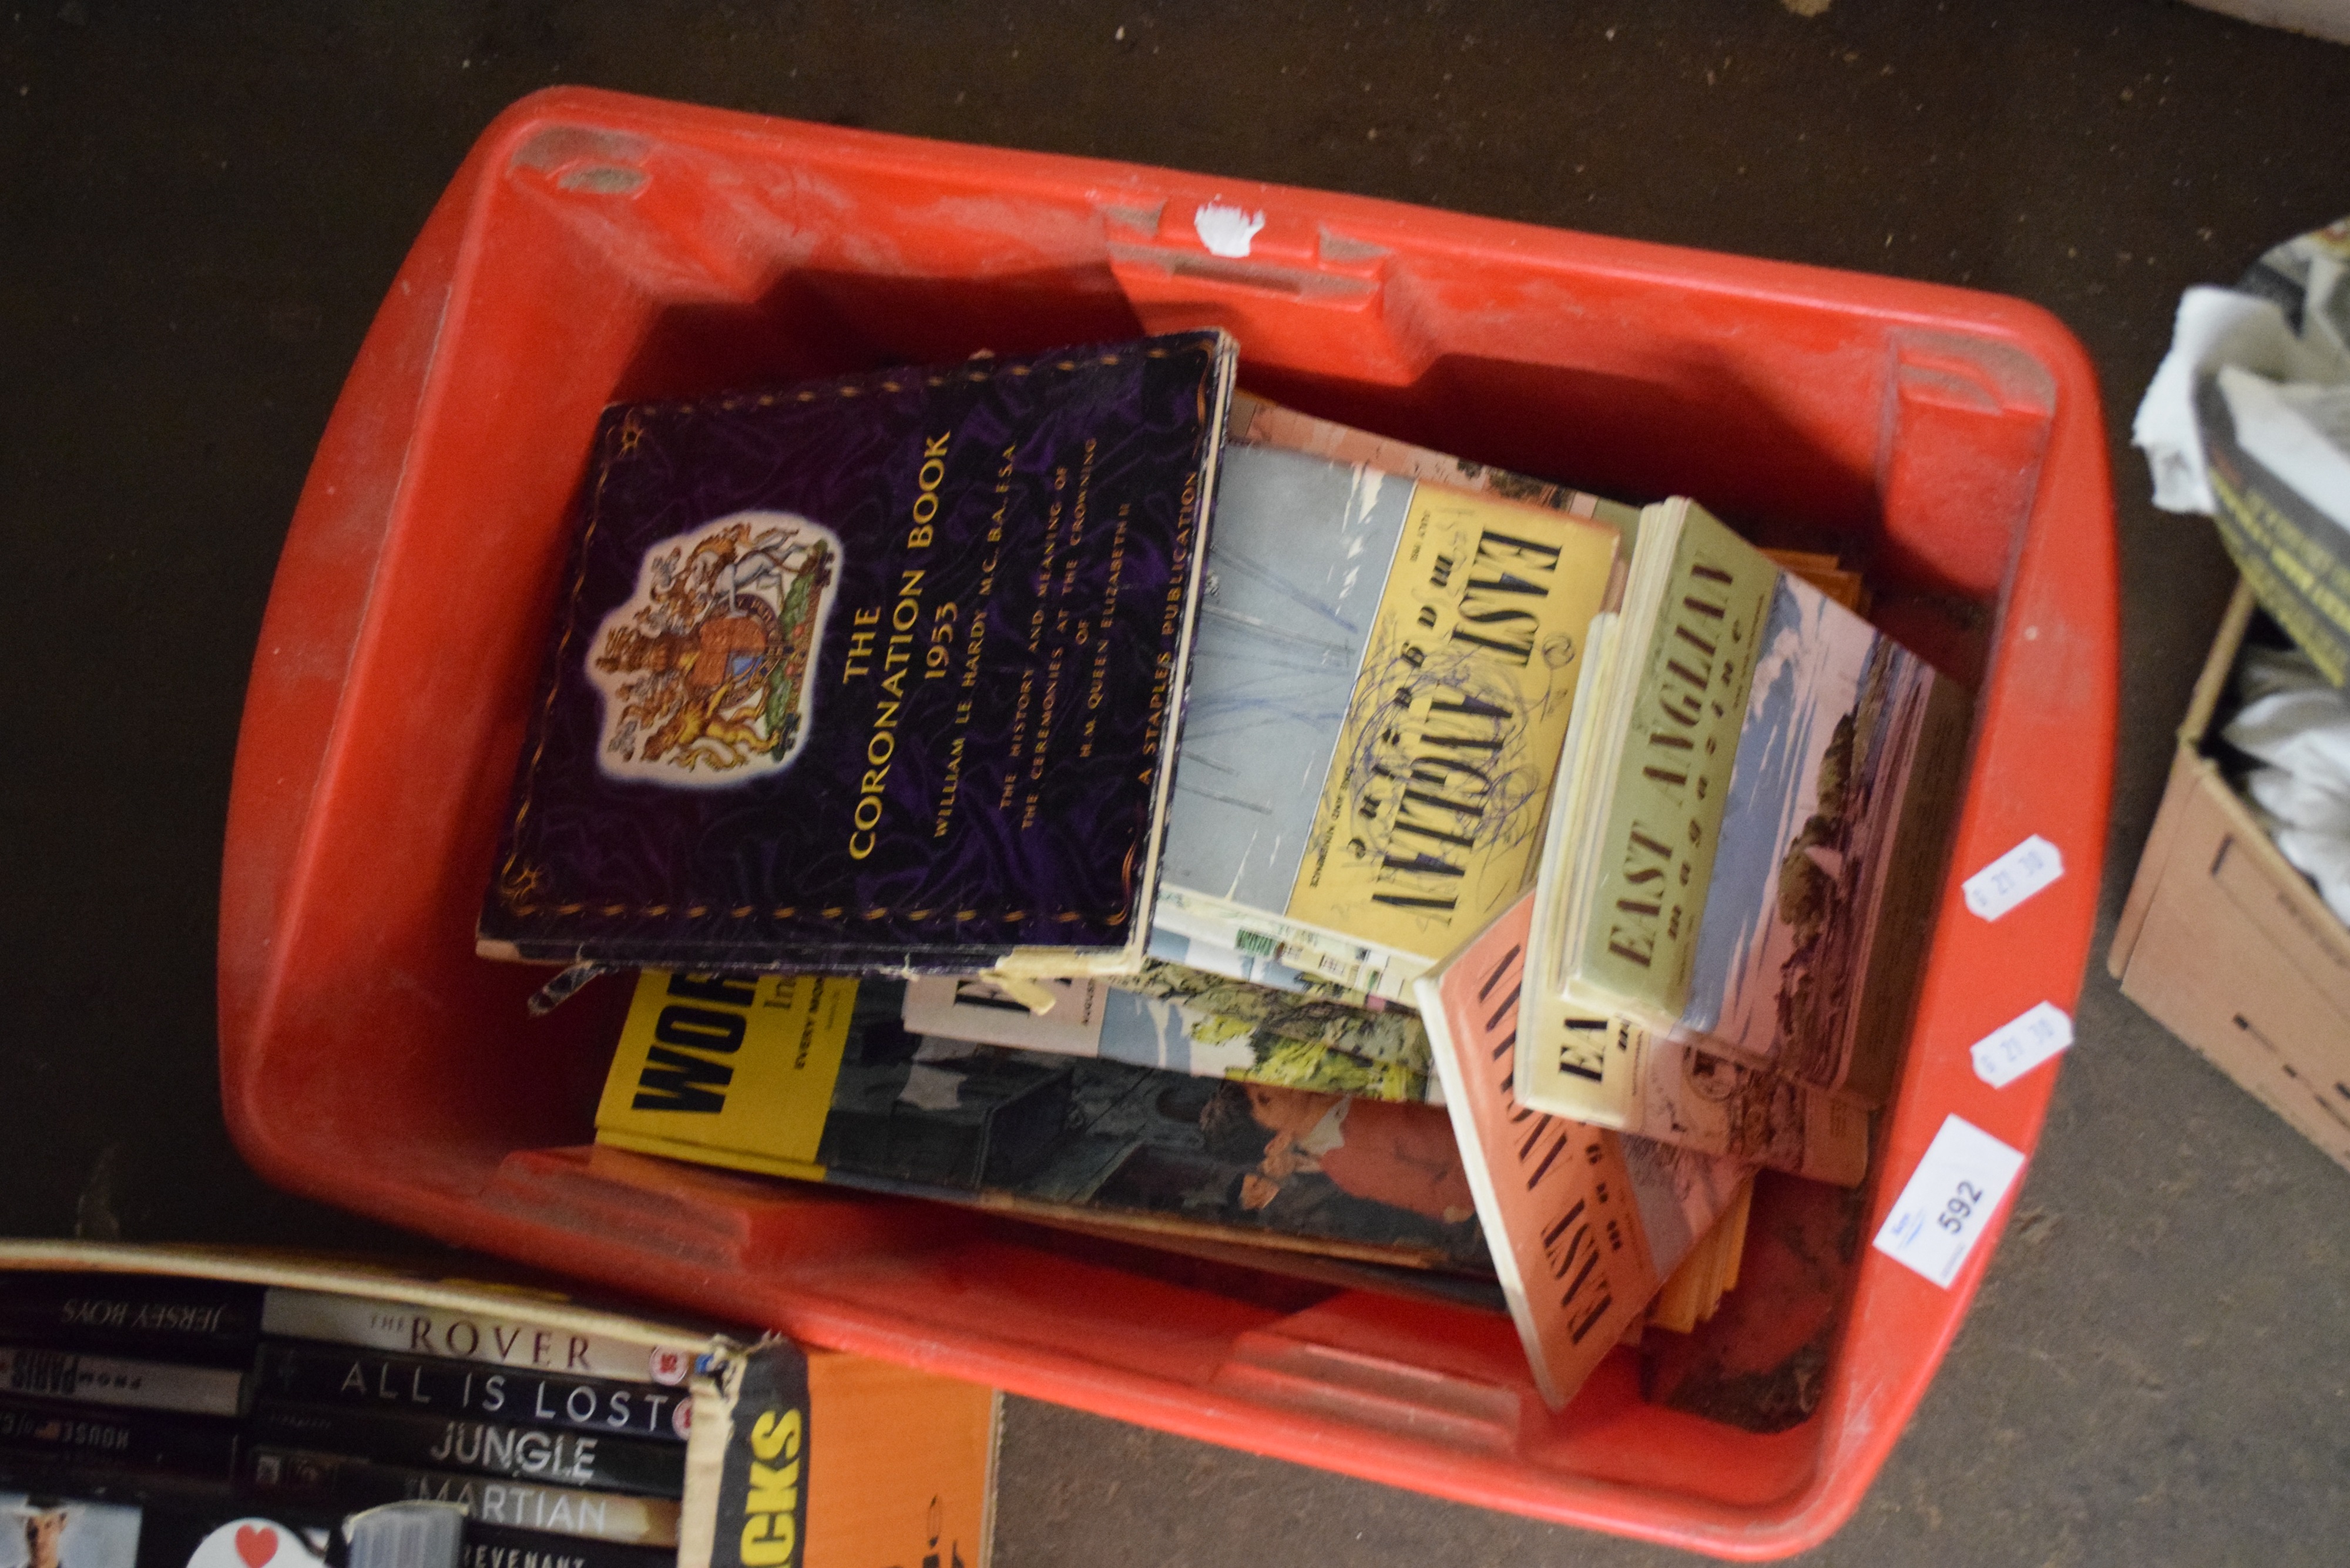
(1296, 294)
(1417, 1402)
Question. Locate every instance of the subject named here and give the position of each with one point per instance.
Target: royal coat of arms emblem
(704, 671)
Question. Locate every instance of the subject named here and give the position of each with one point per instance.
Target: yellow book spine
(1665, 807)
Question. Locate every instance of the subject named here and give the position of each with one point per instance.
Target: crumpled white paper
(2288, 389)
(2296, 725)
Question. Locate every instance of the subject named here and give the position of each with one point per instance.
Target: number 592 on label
(1950, 1198)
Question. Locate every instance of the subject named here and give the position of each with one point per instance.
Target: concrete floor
(199, 212)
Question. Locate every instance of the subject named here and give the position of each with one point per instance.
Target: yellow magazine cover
(1686, 659)
(1742, 858)
(1383, 679)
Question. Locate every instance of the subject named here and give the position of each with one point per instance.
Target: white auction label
(2013, 877)
(2021, 1044)
(1952, 1196)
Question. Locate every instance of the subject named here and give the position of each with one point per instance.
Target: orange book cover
(905, 1474)
(830, 1461)
(1584, 1224)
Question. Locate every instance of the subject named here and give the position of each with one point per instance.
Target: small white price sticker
(1952, 1196)
(2019, 1044)
(2013, 877)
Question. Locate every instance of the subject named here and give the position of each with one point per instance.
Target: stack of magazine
(1068, 786)
(184, 1412)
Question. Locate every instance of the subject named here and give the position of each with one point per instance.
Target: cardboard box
(2228, 946)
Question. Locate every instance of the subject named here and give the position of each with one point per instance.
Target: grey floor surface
(200, 208)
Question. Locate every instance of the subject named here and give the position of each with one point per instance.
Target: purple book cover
(875, 673)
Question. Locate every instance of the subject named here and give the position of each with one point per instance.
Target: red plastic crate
(596, 246)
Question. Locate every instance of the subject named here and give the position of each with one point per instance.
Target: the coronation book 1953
(881, 674)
